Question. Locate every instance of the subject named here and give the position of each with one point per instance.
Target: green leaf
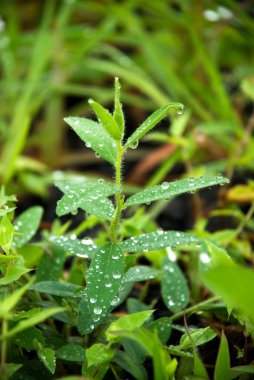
(85, 323)
(11, 300)
(217, 255)
(47, 356)
(162, 327)
(140, 273)
(151, 122)
(94, 136)
(13, 273)
(175, 292)
(157, 240)
(104, 279)
(169, 190)
(74, 246)
(36, 319)
(118, 112)
(106, 119)
(60, 289)
(51, 265)
(90, 196)
(6, 233)
(26, 225)
(198, 337)
(230, 283)
(25, 339)
(163, 366)
(199, 369)
(98, 354)
(127, 323)
(125, 361)
(72, 352)
(11, 368)
(222, 365)
(242, 369)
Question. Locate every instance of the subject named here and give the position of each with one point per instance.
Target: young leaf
(162, 327)
(74, 246)
(169, 190)
(11, 300)
(13, 273)
(157, 240)
(26, 225)
(118, 112)
(127, 323)
(72, 352)
(151, 122)
(140, 273)
(222, 366)
(6, 233)
(90, 196)
(47, 356)
(104, 279)
(98, 354)
(106, 119)
(175, 292)
(198, 337)
(94, 136)
(60, 289)
(230, 283)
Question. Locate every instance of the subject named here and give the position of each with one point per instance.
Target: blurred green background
(56, 54)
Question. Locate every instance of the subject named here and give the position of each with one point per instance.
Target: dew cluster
(157, 240)
(169, 190)
(82, 248)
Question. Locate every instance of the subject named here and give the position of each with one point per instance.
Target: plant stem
(194, 308)
(118, 196)
(4, 344)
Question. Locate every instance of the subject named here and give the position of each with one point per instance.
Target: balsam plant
(106, 274)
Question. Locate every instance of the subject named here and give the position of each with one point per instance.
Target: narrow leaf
(118, 112)
(106, 119)
(47, 356)
(157, 240)
(98, 354)
(198, 337)
(6, 233)
(127, 323)
(11, 300)
(38, 318)
(26, 225)
(94, 136)
(13, 273)
(104, 279)
(72, 352)
(74, 246)
(60, 289)
(140, 273)
(169, 190)
(151, 122)
(175, 292)
(125, 361)
(222, 365)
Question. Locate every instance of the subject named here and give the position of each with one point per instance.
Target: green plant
(93, 341)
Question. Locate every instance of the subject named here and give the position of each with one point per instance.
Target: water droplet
(134, 145)
(180, 110)
(116, 276)
(165, 185)
(101, 180)
(97, 155)
(97, 310)
(93, 300)
(88, 144)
